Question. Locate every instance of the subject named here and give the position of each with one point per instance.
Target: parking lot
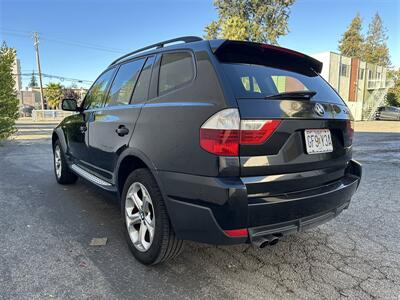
(46, 228)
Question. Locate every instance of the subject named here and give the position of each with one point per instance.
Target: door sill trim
(90, 177)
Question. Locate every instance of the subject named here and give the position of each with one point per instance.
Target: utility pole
(36, 44)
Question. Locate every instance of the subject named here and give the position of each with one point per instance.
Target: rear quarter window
(142, 85)
(176, 69)
(257, 81)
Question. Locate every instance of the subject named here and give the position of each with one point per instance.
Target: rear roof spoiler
(264, 54)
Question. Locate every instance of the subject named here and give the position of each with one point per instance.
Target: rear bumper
(201, 208)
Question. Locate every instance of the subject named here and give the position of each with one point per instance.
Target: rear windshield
(256, 81)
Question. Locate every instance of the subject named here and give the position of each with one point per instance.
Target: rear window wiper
(307, 95)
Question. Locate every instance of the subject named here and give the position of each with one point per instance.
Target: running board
(92, 178)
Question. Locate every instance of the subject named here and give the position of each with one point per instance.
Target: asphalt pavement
(46, 229)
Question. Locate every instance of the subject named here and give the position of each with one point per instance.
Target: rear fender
(149, 164)
(146, 160)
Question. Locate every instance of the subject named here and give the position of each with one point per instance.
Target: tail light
(350, 129)
(222, 133)
(255, 132)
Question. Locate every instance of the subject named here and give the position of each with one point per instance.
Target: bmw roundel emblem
(319, 109)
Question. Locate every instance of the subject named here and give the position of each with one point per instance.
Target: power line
(14, 30)
(15, 34)
(81, 44)
(21, 33)
(62, 78)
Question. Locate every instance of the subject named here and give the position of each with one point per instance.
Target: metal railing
(376, 84)
(49, 114)
(375, 100)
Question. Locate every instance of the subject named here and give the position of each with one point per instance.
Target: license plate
(318, 141)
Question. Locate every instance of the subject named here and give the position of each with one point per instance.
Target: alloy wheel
(139, 216)
(57, 161)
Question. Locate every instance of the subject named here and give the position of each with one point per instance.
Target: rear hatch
(311, 145)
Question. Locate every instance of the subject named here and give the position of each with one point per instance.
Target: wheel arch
(58, 135)
(54, 138)
(129, 160)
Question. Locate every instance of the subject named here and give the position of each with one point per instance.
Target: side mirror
(69, 105)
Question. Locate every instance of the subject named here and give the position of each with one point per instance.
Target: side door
(77, 125)
(111, 127)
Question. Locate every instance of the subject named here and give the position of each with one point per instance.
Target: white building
(362, 85)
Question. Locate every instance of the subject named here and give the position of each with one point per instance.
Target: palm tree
(54, 94)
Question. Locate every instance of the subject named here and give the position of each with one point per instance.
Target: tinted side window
(124, 82)
(95, 96)
(176, 69)
(142, 85)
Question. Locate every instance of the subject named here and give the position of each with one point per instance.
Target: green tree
(393, 95)
(261, 21)
(33, 82)
(8, 95)
(235, 28)
(69, 93)
(54, 94)
(375, 48)
(392, 99)
(351, 43)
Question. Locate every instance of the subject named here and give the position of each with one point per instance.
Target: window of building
(96, 94)
(378, 75)
(361, 74)
(124, 82)
(370, 74)
(344, 70)
(176, 69)
(142, 85)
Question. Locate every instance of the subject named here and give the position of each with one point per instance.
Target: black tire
(165, 245)
(66, 176)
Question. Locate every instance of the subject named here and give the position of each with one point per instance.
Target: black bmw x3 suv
(218, 141)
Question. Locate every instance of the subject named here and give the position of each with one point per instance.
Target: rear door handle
(122, 130)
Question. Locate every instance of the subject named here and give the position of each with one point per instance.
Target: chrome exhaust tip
(263, 241)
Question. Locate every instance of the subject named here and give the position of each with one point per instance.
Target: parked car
(25, 110)
(219, 141)
(387, 113)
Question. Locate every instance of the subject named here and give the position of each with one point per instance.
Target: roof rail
(185, 39)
